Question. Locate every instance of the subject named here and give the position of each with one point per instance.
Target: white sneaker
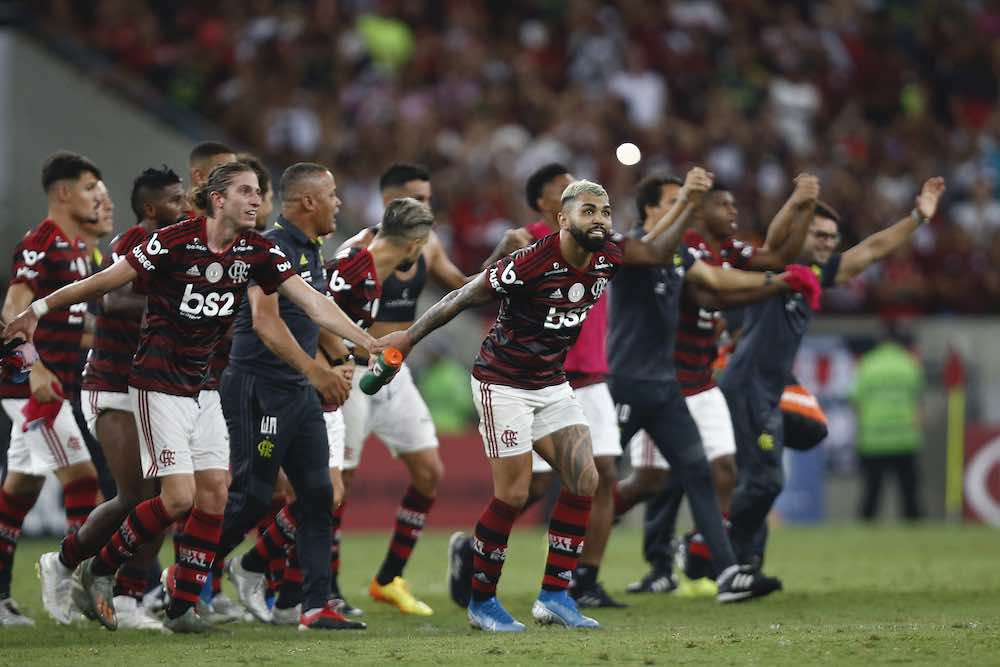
(288, 616)
(11, 615)
(133, 616)
(250, 588)
(57, 584)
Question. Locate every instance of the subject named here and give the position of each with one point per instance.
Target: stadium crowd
(868, 95)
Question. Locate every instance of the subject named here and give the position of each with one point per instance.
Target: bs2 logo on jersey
(213, 304)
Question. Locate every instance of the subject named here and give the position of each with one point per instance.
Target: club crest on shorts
(167, 458)
(576, 292)
(213, 273)
(509, 438)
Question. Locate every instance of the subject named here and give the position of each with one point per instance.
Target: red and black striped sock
(489, 546)
(566, 530)
(277, 503)
(79, 499)
(145, 522)
(69, 551)
(13, 509)
(335, 521)
(131, 581)
(410, 519)
(290, 591)
(273, 542)
(201, 540)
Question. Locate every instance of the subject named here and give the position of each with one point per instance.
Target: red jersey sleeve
(273, 268)
(506, 277)
(741, 254)
(29, 265)
(353, 284)
(150, 258)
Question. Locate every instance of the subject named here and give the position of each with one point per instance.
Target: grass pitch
(853, 595)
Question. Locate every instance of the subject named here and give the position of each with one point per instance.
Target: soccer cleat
(328, 618)
(557, 607)
(343, 606)
(657, 581)
(397, 593)
(460, 568)
(696, 588)
(490, 616)
(133, 616)
(10, 614)
(594, 596)
(220, 610)
(188, 623)
(288, 616)
(741, 582)
(94, 595)
(155, 601)
(250, 589)
(57, 585)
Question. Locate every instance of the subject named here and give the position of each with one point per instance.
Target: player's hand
(397, 339)
(697, 182)
(45, 386)
(337, 480)
(806, 190)
(22, 326)
(930, 195)
(331, 383)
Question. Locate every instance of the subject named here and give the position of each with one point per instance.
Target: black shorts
(658, 408)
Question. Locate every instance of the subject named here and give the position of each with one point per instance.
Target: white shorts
(397, 414)
(94, 402)
(711, 414)
(599, 410)
(511, 419)
(335, 437)
(180, 434)
(43, 449)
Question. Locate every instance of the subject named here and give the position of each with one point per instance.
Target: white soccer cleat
(133, 616)
(250, 589)
(10, 614)
(57, 586)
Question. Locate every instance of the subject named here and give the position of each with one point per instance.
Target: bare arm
(513, 239)
(323, 311)
(787, 231)
(274, 333)
(124, 302)
(361, 239)
(717, 279)
(658, 246)
(716, 300)
(440, 266)
(878, 245)
(475, 293)
(18, 298)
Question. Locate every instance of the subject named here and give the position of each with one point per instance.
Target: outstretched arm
(440, 266)
(717, 279)
(658, 246)
(878, 245)
(475, 293)
(323, 311)
(788, 229)
(100, 283)
(720, 300)
(513, 239)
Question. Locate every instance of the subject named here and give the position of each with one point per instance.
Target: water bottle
(387, 364)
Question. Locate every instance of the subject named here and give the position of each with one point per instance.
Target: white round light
(628, 154)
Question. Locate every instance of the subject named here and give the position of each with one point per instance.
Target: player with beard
(195, 274)
(157, 201)
(521, 393)
(758, 370)
(48, 257)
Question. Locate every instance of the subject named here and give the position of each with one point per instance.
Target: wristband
(768, 278)
(39, 308)
(918, 218)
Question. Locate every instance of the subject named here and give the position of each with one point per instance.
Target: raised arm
(788, 228)
(323, 311)
(658, 246)
(102, 282)
(475, 293)
(513, 239)
(439, 265)
(878, 245)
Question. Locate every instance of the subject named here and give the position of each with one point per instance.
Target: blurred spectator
(886, 395)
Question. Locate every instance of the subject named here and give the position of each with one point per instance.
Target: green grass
(853, 595)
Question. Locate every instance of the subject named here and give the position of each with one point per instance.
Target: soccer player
(157, 201)
(757, 372)
(269, 396)
(398, 415)
(266, 191)
(521, 393)
(195, 274)
(48, 257)
(202, 161)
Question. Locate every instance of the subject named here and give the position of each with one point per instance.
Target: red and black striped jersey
(219, 362)
(544, 302)
(116, 335)
(45, 260)
(193, 296)
(698, 328)
(354, 285)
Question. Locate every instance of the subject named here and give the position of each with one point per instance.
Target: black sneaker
(594, 596)
(657, 581)
(691, 558)
(741, 582)
(329, 617)
(460, 569)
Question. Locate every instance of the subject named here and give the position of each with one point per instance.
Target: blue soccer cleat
(492, 617)
(559, 608)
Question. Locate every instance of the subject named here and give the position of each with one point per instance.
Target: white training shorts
(511, 419)
(335, 436)
(711, 414)
(94, 402)
(180, 434)
(44, 448)
(397, 414)
(599, 410)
